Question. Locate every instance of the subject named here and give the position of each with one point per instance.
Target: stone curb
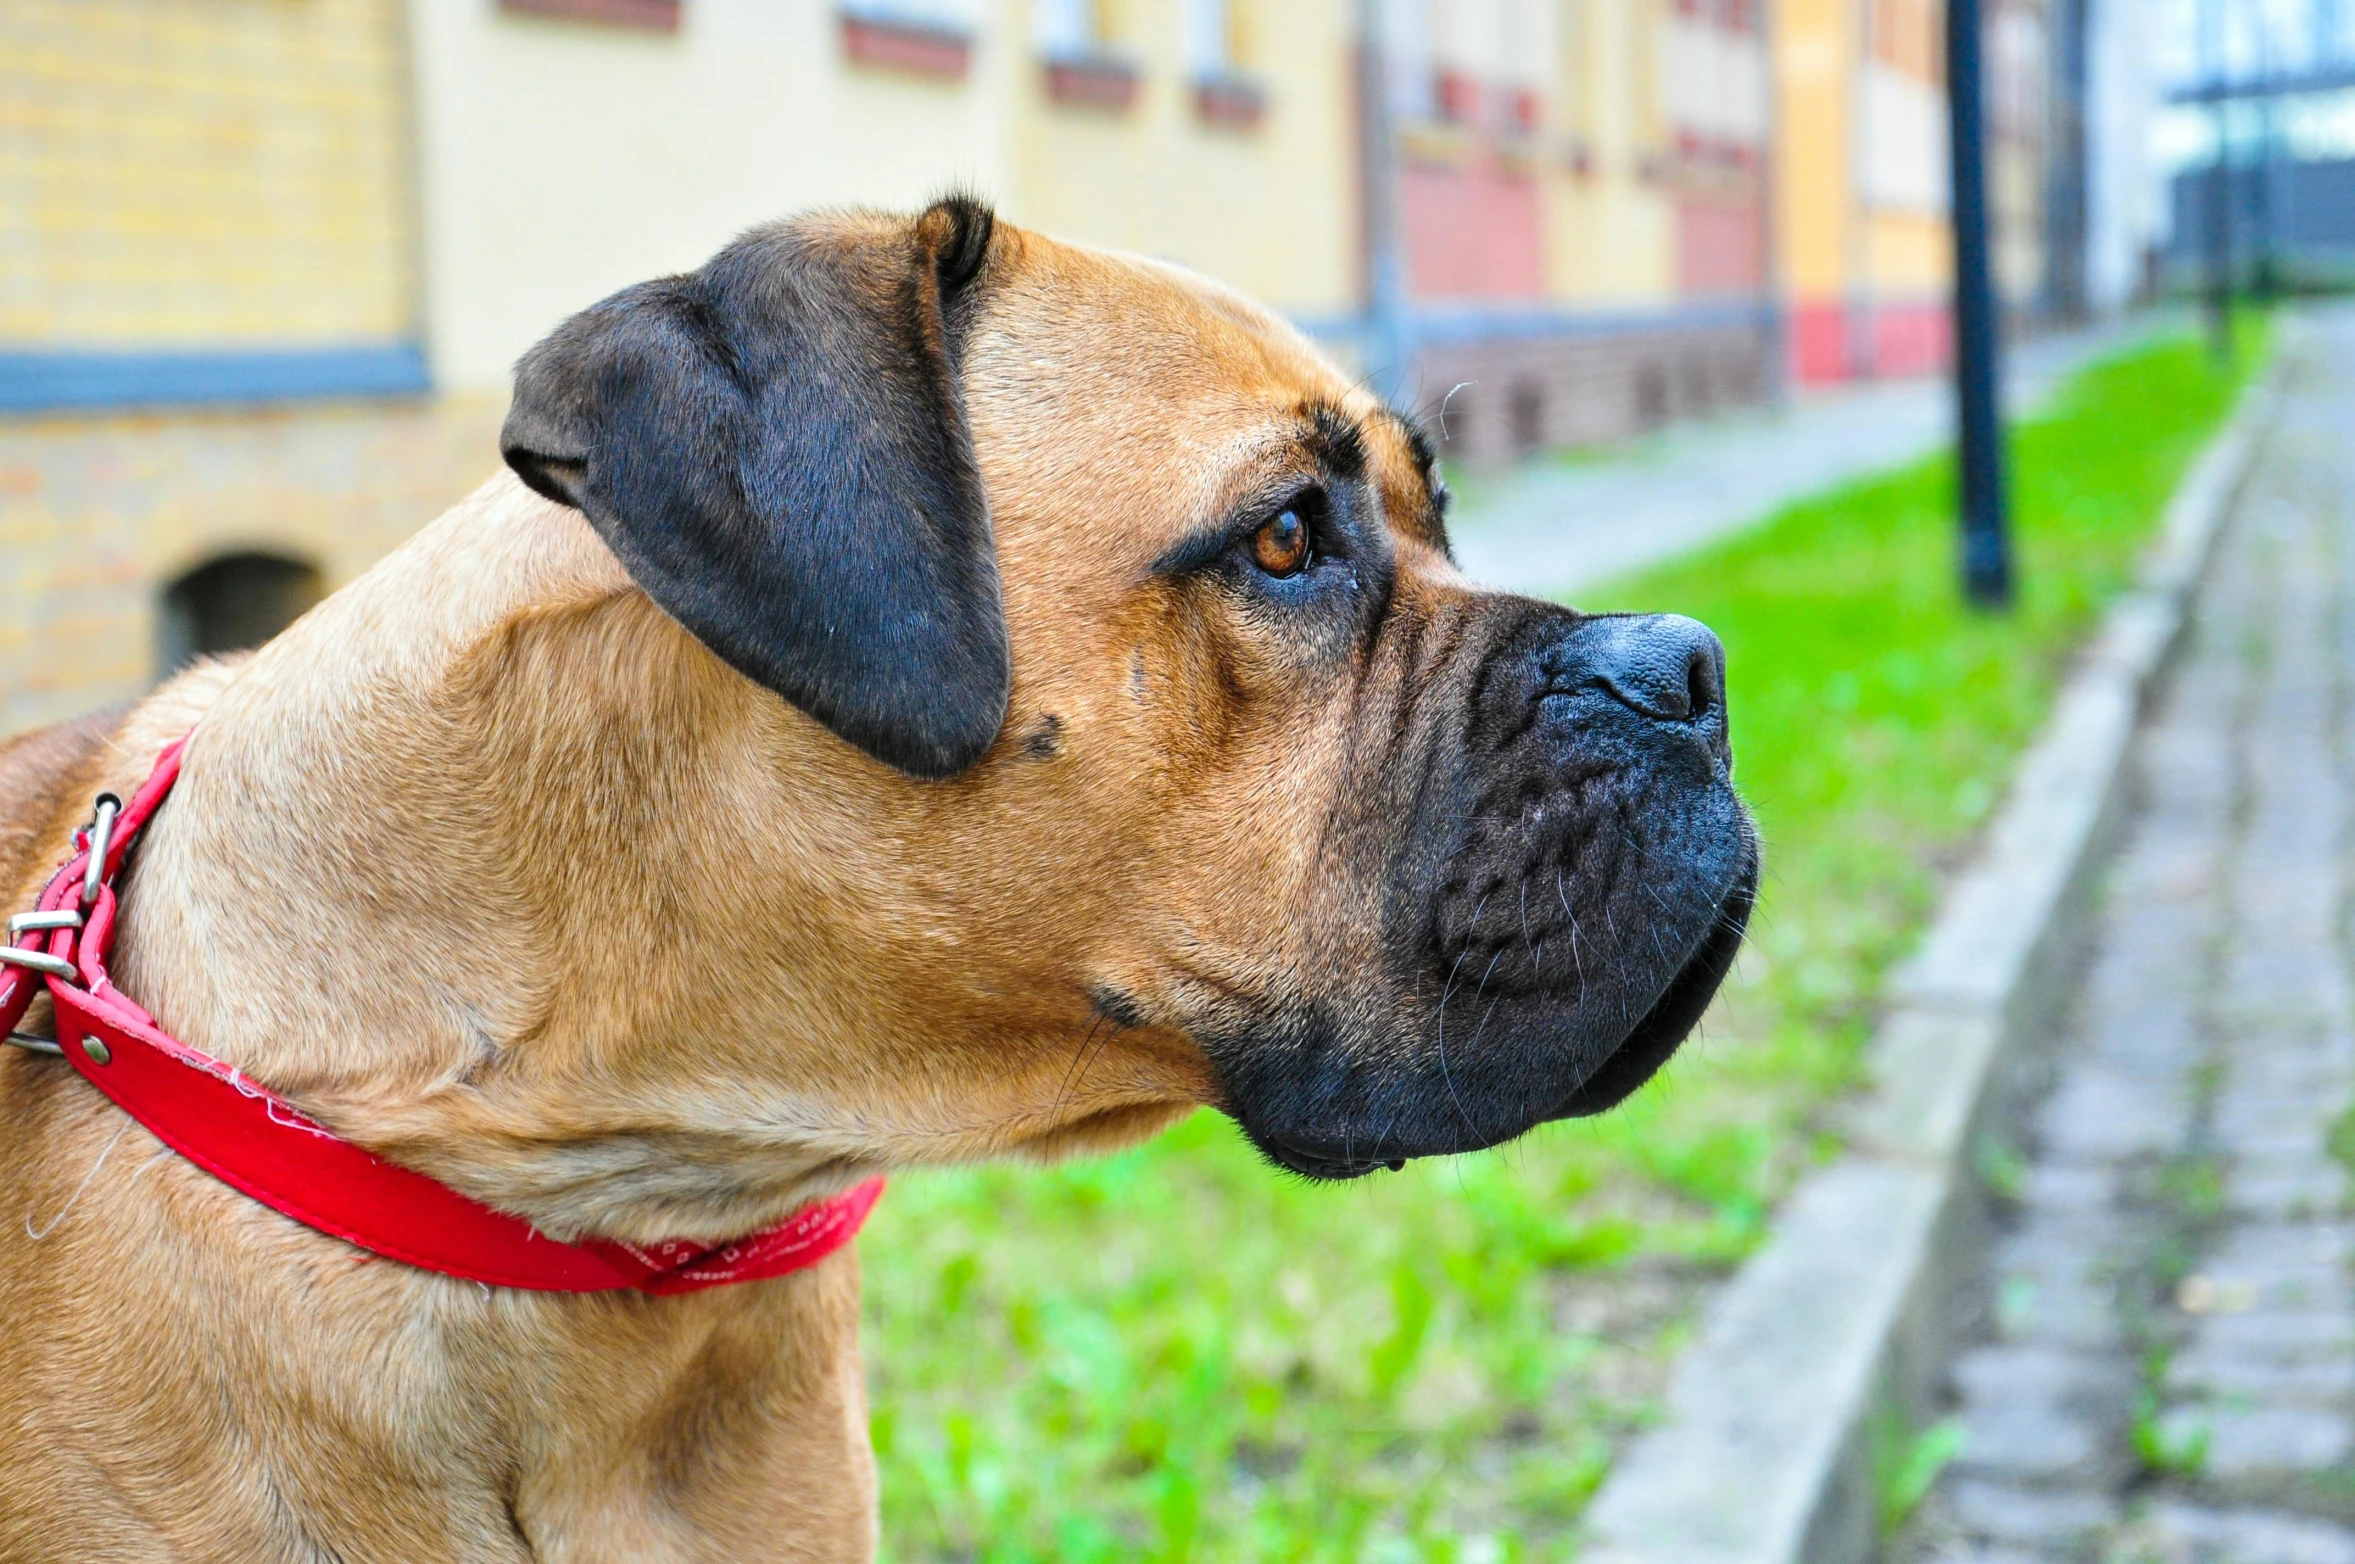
(1843, 1318)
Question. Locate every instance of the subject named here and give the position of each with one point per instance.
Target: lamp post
(1986, 548)
(2219, 212)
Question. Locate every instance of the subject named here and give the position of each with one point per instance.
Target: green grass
(1178, 1354)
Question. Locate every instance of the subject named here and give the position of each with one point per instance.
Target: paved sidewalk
(2169, 1373)
(1554, 526)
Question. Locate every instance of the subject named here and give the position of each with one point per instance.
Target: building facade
(265, 264)
(1581, 194)
(564, 156)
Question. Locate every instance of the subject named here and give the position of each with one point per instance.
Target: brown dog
(911, 644)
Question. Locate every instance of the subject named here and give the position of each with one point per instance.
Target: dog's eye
(1281, 547)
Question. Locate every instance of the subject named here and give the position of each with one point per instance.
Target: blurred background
(1670, 280)
(345, 218)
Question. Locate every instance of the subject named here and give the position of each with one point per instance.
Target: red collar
(249, 1137)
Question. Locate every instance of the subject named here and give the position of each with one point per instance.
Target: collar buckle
(95, 839)
(99, 835)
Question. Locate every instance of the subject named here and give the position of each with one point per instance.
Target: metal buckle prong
(63, 918)
(101, 831)
(39, 961)
(36, 1045)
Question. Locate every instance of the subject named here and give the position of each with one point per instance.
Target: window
(1210, 37)
(1456, 93)
(950, 15)
(1218, 55)
(1406, 59)
(1074, 43)
(660, 16)
(1526, 33)
(919, 37)
(229, 604)
(1574, 97)
(1488, 62)
(1069, 29)
(1463, 58)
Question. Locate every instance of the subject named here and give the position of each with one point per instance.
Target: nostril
(1704, 678)
(1665, 666)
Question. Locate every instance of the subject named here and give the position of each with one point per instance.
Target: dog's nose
(1665, 666)
(1663, 672)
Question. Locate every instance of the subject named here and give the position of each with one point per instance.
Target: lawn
(1178, 1353)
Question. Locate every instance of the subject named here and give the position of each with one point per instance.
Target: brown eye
(1281, 547)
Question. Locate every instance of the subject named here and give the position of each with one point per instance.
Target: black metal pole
(2219, 182)
(2219, 288)
(2267, 280)
(1986, 548)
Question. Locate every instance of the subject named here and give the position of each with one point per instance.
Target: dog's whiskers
(1618, 957)
(1577, 962)
(1444, 1074)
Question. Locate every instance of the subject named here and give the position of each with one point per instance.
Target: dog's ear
(776, 448)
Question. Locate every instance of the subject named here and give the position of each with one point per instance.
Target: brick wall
(98, 515)
(210, 173)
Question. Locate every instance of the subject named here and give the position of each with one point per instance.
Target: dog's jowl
(922, 692)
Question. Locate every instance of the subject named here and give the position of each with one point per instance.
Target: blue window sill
(86, 380)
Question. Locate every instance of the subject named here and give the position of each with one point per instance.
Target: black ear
(776, 448)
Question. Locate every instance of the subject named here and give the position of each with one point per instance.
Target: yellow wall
(1271, 208)
(1815, 47)
(1837, 245)
(198, 174)
(1610, 235)
(562, 161)
(1908, 255)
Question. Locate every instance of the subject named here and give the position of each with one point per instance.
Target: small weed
(2003, 1170)
(2193, 1189)
(2342, 1138)
(1906, 1464)
(2178, 1453)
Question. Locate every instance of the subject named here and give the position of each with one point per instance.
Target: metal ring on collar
(39, 961)
(101, 832)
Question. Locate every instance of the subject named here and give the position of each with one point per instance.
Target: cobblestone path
(2168, 1369)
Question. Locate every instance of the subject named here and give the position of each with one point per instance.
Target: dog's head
(1118, 632)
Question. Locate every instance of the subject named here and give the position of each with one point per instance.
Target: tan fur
(489, 865)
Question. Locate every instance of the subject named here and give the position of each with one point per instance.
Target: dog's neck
(453, 864)
(350, 897)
